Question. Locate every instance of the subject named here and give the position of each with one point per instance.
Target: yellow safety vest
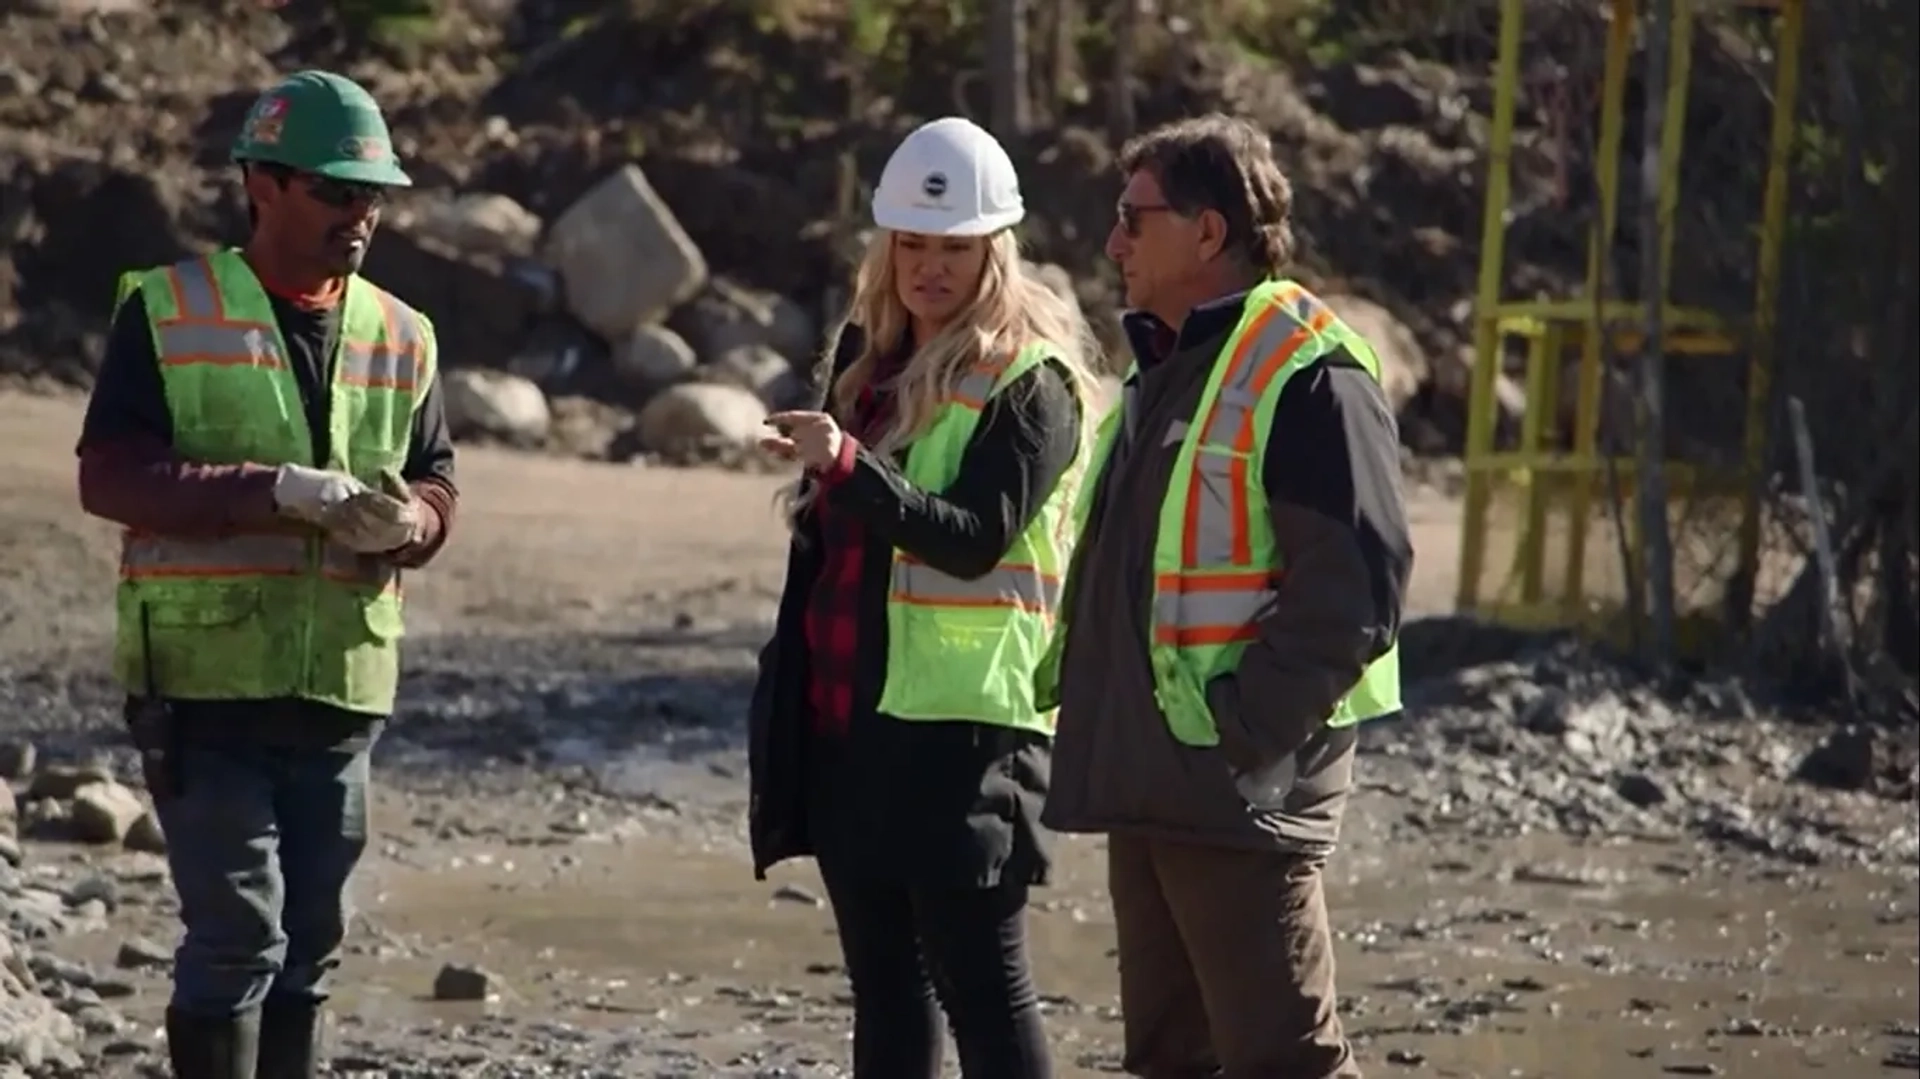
(281, 613)
(1215, 562)
(962, 649)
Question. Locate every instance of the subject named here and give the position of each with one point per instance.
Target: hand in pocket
(1267, 788)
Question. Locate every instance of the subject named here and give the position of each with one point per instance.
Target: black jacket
(933, 804)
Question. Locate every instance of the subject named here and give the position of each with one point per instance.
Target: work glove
(309, 494)
(374, 522)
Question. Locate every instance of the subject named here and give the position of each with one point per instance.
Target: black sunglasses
(341, 194)
(1132, 215)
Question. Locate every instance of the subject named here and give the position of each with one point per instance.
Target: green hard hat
(322, 123)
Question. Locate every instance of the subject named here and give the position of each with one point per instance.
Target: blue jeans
(262, 839)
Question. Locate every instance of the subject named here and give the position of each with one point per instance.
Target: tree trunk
(1656, 542)
(1125, 27)
(1062, 83)
(1008, 88)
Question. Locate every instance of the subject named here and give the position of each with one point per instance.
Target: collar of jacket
(1153, 340)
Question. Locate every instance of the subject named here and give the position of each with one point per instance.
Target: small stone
(1640, 789)
(17, 760)
(94, 888)
(146, 835)
(458, 981)
(104, 811)
(1847, 760)
(63, 781)
(139, 953)
(793, 893)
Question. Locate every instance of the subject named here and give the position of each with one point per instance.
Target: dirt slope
(115, 119)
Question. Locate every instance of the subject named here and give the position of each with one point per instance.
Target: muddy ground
(1550, 870)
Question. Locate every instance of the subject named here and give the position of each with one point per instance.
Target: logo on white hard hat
(934, 186)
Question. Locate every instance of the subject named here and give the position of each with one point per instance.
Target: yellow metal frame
(1551, 330)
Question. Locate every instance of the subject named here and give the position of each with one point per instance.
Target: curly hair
(1225, 164)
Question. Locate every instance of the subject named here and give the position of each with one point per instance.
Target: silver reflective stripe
(234, 556)
(1214, 527)
(220, 343)
(1203, 609)
(200, 332)
(195, 290)
(1240, 393)
(1214, 531)
(976, 386)
(1004, 586)
(393, 364)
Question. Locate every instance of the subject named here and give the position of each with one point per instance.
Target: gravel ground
(1553, 868)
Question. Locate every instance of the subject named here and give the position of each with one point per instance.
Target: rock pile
(1553, 738)
(610, 303)
(604, 332)
(57, 1015)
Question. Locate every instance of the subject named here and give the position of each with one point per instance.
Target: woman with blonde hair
(894, 734)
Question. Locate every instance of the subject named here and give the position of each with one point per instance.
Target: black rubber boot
(213, 1048)
(289, 1040)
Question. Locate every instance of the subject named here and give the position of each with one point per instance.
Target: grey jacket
(1332, 485)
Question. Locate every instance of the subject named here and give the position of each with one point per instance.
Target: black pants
(911, 952)
(264, 838)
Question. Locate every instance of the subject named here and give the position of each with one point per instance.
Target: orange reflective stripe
(200, 331)
(263, 554)
(1006, 585)
(260, 555)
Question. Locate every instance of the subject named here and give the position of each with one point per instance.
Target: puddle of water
(1627, 975)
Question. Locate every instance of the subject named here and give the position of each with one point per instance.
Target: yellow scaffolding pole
(1481, 410)
(1595, 326)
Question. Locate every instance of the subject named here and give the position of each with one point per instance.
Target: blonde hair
(1011, 309)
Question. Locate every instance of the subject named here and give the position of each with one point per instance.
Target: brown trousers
(1226, 963)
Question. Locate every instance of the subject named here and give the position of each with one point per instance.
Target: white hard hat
(948, 177)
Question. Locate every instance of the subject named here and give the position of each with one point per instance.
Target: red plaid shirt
(833, 608)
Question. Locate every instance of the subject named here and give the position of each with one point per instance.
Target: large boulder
(653, 358)
(624, 258)
(727, 315)
(764, 371)
(479, 221)
(697, 417)
(498, 406)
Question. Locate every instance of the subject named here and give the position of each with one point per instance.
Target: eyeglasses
(1131, 215)
(341, 194)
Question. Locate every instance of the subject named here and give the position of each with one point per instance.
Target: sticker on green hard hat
(323, 123)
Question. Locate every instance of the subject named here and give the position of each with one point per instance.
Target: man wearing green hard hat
(267, 427)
